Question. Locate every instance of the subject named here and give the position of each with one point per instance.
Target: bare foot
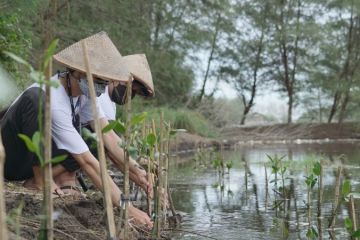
(74, 191)
(32, 185)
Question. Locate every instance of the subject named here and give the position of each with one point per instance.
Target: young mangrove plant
(218, 164)
(279, 170)
(351, 221)
(311, 180)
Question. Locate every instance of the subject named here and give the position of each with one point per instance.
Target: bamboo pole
(127, 158)
(166, 167)
(266, 187)
(353, 214)
(161, 172)
(320, 198)
(150, 180)
(3, 225)
(157, 198)
(47, 169)
(100, 149)
(336, 200)
(148, 199)
(171, 203)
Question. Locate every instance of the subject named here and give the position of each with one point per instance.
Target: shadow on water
(242, 204)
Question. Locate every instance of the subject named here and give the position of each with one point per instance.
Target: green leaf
(138, 118)
(109, 127)
(59, 159)
(120, 127)
(133, 152)
(356, 233)
(49, 52)
(346, 188)
(317, 169)
(36, 139)
(29, 144)
(53, 83)
(311, 233)
(151, 139)
(37, 77)
(17, 59)
(348, 224)
(88, 135)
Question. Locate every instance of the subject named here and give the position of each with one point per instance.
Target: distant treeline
(309, 51)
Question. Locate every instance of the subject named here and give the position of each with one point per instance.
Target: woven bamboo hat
(138, 66)
(104, 58)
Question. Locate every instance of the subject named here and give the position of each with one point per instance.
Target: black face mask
(118, 94)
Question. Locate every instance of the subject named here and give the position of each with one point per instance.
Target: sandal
(73, 191)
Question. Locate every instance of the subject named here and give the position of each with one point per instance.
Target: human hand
(141, 178)
(164, 200)
(139, 217)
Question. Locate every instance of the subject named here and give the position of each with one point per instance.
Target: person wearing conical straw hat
(70, 105)
(142, 85)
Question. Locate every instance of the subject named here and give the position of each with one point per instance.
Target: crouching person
(70, 105)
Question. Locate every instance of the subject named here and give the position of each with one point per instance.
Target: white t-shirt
(63, 132)
(108, 106)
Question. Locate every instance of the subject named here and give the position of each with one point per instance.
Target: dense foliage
(308, 51)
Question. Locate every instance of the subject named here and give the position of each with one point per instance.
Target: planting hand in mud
(139, 217)
(140, 178)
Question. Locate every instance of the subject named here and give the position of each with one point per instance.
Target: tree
(244, 64)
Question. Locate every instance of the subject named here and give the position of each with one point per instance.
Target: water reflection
(240, 205)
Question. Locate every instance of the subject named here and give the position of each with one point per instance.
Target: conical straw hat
(104, 58)
(138, 66)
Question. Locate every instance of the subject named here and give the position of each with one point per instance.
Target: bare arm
(91, 166)
(112, 144)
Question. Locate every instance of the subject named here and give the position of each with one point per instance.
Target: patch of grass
(182, 118)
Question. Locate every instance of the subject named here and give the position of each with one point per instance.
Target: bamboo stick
(127, 159)
(157, 199)
(336, 200)
(171, 203)
(166, 167)
(144, 133)
(266, 187)
(47, 169)
(320, 198)
(3, 225)
(161, 171)
(353, 214)
(100, 149)
(150, 180)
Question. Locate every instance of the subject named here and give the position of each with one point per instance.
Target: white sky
(269, 102)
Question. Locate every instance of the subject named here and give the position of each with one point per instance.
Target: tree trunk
(343, 107)
(334, 106)
(158, 22)
(290, 107)
(344, 75)
(249, 105)
(213, 46)
(246, 110)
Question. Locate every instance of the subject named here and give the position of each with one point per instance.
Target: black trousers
(22, 118)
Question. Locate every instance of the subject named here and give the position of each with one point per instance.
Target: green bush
(192, 121)
(12, 39)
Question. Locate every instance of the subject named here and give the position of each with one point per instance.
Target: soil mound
(73, 219)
